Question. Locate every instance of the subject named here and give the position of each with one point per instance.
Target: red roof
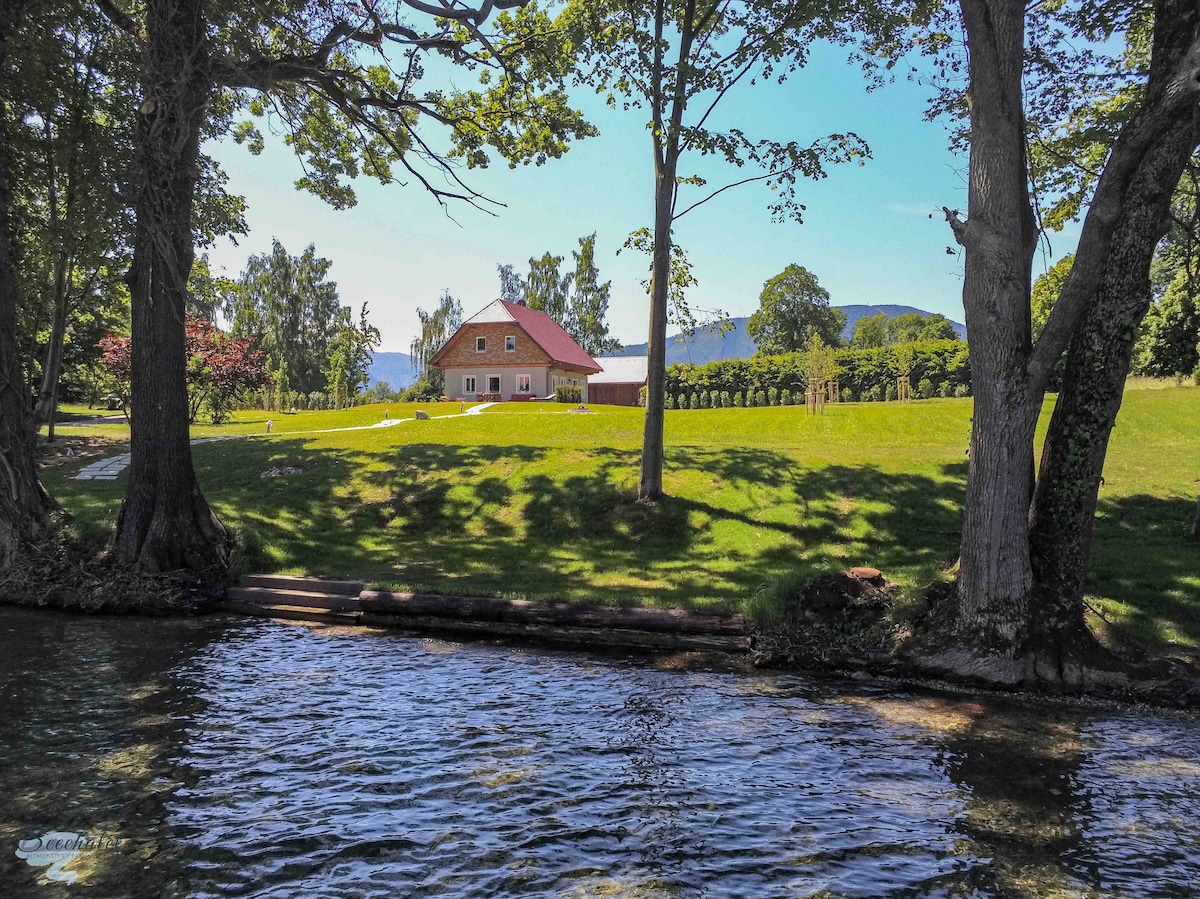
(549, 335)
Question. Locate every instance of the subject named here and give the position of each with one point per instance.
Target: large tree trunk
(650, 486)
(1098, 361)
(165, 522)
(1152, 151)
(995, 578)
(24, 518)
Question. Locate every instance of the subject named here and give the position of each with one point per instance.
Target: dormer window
(510, 344)
(481, 344)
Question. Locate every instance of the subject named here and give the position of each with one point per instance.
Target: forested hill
(708, 346)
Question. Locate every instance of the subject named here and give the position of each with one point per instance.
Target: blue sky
(866, 235)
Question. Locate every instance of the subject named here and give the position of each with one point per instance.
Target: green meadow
(530, 500)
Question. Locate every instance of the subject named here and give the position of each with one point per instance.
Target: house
(507, 351)
(620, 382)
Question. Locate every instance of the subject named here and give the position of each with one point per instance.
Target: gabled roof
(541, 328)
(621, 370)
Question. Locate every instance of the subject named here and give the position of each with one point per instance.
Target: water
(258, 758)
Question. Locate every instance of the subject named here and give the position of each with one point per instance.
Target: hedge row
(939, 368)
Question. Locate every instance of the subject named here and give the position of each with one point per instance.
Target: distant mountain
(395, 368)
(708, 346)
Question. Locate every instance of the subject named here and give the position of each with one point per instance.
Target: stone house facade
(508, 351)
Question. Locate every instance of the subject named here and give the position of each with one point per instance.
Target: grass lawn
(530, 500)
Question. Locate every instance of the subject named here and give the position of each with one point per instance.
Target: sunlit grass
(529, 500)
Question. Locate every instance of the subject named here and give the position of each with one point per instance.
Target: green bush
(693, 402)
(773, 396)
(962, 390)
(760, 397)
(785, 397)
(726, 400)
(945, 389)
(891, 392)
(737, 400)
(566, 393)
(872, 394)
(670, 404)
(925, 389)
(642, 396)
(847, 395)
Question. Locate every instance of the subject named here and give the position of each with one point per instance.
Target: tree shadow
(1141, 560)
(564, 522)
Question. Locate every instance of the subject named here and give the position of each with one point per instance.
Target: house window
(481, 344)
(468, 383)
(523, 384)
(510, 344)
(493, 384)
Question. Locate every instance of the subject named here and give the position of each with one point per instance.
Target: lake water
(231, 757)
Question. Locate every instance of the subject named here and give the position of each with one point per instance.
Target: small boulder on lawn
(421, 415)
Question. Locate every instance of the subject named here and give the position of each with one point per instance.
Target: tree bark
(165, 523)
(1098, 361)
(24, 516)
(650, 485)
(999, 236)
(667, 137)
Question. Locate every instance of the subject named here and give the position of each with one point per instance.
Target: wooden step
(293, 613)
(303, 584)
(276, 596)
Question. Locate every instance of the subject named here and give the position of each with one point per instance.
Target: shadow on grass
(554, 521)
(563, 522)
(1141, 560)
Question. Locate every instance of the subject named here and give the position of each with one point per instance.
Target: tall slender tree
(589, 302)
(545, 289)
(437, 327)
(676, 63)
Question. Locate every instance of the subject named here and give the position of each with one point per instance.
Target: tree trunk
(650, 486)
(1154, 149)
(48, 395)
(1098, 361)
(999, 236)
(165, 522)
(24, 519)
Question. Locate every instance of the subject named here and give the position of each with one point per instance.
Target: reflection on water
(258, 758)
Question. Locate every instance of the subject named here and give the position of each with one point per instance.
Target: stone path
(108, 469)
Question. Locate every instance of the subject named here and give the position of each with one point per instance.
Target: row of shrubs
(705, 399)
(938, 368)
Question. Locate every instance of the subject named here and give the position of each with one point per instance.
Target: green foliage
(908, 327)
(437, 327)
(1045, 292)
(1170, 331)
(287, 306)
(568, 393)
(945, 364)
(585, 320)
(545, 289)
(349, 356)
(792, 308)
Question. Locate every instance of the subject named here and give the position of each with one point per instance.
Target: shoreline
(678, 638)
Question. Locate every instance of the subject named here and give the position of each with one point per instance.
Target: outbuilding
(620, 382)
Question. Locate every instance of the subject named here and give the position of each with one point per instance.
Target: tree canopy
(793, 307)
